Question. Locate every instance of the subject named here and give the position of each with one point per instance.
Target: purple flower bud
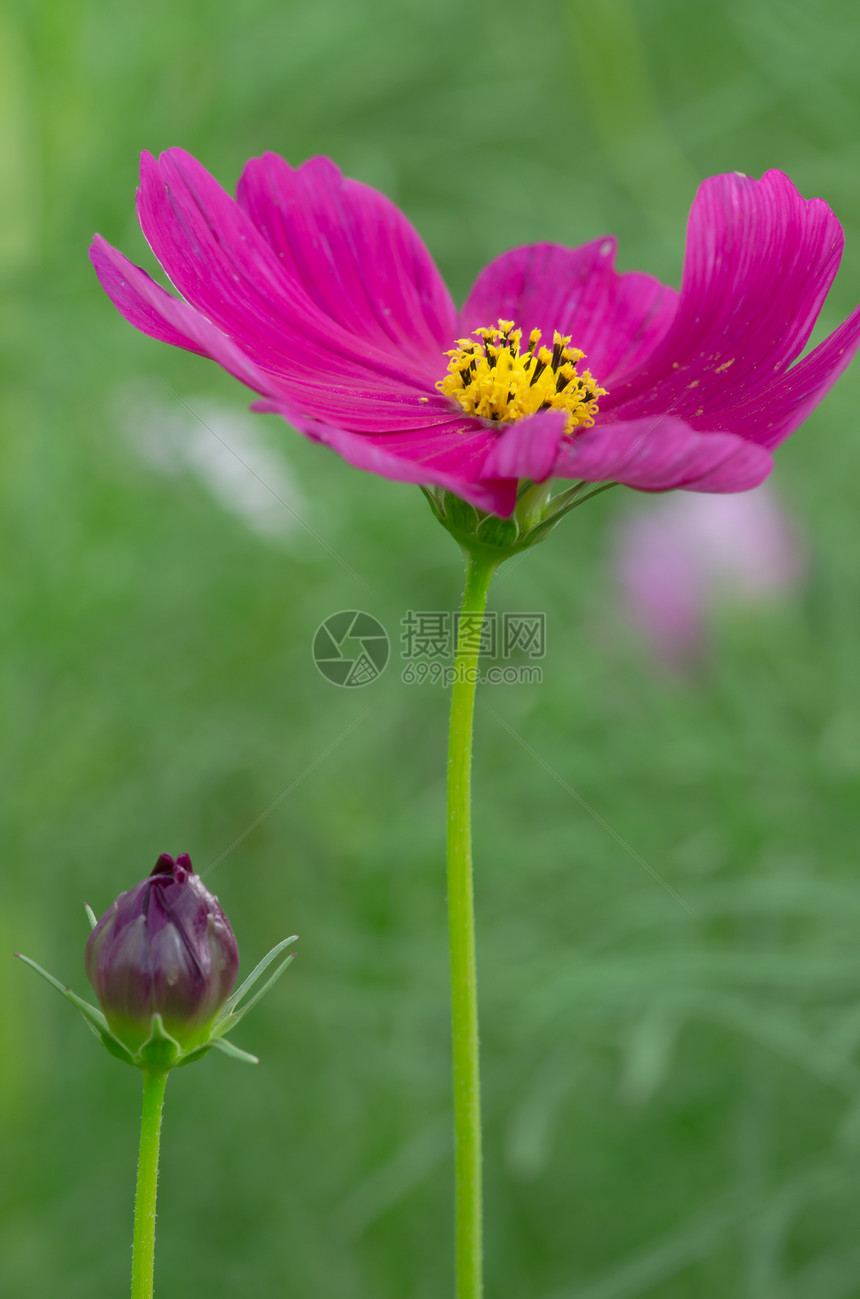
(164, 947)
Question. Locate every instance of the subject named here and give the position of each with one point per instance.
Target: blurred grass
(672, 1098)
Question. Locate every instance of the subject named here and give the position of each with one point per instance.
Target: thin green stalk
(143, 1248)
(461, 926)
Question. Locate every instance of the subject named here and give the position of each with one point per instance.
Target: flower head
(163, 948)
(317, 293)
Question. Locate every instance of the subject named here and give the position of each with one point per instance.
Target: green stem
(143, 1248)
(461, 925)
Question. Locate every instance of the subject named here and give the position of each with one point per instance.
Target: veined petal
(355, 253)
(770, 414)
(156, 312)
(369, 406)
(135, 295)
(449, 456)
(365, 409)
(223, 266)
(617, 320)
(655, 455)
(318, 294)
(760, 259)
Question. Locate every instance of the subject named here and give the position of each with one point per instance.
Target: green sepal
(473, 528)
(534, 517)
(235, 1052)
(93, 1016)
(498, 535)
(232, 1013)
(197, 1054)
(114, 1047)
(160, 1050)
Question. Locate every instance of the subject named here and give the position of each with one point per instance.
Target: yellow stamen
(490, 378)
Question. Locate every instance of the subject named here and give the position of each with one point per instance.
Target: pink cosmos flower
(317, 293)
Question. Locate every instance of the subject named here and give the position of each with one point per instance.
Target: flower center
(491, 378)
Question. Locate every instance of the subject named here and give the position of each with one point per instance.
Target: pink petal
(449, 455)
(617, 320)
(450, 458)
(368, 403)
(157, 313)
(122, 281)
(760, 259)
(355, 253)
(528, 448)
(770, 414)
(225, 268)
(655, 455)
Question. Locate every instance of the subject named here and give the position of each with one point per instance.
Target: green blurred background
(671, 1093)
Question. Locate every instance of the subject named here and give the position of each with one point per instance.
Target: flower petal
(224, 267)
(355, 253)
(617, 320)
(368, 406)
(137, 307)
(770, 414)
(156, 312)
(366, 409)
(449, 457)
(528, 448)
(760, 259)
(657, 455)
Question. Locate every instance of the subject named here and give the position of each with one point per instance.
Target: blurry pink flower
(690, 553)
(317, 293)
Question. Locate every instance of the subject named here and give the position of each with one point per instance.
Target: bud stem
(143, 1248)
(461, 926)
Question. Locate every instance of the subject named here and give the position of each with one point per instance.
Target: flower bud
(163, 948)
